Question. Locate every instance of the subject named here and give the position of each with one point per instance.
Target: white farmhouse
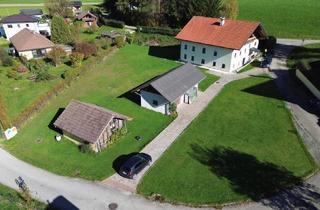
(12, 24)
(30, 44)
(177, 86)
(219, 44)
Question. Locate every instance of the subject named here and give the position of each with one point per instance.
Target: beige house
(89, 124)
(88, 19)
(30, 44)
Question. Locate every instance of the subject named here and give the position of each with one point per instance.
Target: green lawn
(5, 11)
(40, 1)
(241, 146)
(209, 80)
(10, 200)
(250, 66)
(285, 18)
(126, 69)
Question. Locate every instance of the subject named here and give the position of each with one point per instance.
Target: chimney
(222, 21)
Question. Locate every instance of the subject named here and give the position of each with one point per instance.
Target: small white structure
(177, 86)
(220, 44)
(30, 44)
(13, 24)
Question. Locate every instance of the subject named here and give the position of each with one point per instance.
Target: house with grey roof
(13, 24)
(177, 86)
(86, 123)
(30, 44)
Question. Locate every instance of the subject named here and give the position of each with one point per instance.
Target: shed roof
(19, 18)
(232, 35)
(176, 82)
(31, 11)
(85, 121)
(84, 13)
(29, 40)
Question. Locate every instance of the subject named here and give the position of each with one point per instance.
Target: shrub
(103, 43)
(7, 61)
(76, 59)
(86, 148)
(56, 55)
(173, 110)
(120, 41)
(21, 69)
(114, 23)
(92, 29)
(40, 70)
(86, 48)
(13, 74)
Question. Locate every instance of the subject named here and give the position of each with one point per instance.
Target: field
(285, 18)
(242, 146)
(104, 85)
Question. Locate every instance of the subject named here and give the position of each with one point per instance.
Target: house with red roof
(220, 44)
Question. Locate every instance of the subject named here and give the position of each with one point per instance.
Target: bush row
(4, 119)
(158, 30)
(42, 100)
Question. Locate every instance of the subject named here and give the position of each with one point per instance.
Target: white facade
(158, 103)
(218, 58)
(11, 29)
(30, 54)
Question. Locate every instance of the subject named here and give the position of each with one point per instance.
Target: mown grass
(285, 18)
(209, 80)
(242, 146)
(10, 200)
(104, 85)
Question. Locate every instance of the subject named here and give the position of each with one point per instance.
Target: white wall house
(13, 24)
(30, 44)
(218, 44)
(176, 86)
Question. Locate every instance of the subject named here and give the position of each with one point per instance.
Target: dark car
(134, 165)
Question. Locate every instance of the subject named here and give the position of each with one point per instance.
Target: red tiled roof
(204, 30)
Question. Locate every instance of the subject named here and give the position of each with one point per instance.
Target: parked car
(134, 165)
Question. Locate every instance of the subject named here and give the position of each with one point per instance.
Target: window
(155, 102)
(203, 61)
(215, 53)
(192, 58)
(10, 26)
(18, 25)
(223, 65)
(204, 50)
(214, 64)
(235, 55)
(193, 48)
(185, 47)
(185, 56)
(27, 25)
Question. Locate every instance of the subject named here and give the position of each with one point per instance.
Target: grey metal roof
(85, 121)
(175, 83)
(31, 11)
(20, 18)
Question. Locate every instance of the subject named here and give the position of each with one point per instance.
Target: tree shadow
(168, 52)
(61, 203)
(256, 179)
(56, 116)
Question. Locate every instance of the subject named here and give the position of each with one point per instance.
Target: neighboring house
(219, 44)
(37, 13)
(89, 124)
(30, 44)
(14, 23)
(76, 7)
(177, 86)
(88, 19)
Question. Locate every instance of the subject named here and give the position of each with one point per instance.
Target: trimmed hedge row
(158, 30)
(4, 119)
(113, 23)
(42, 100)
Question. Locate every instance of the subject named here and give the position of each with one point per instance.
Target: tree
(76, 59)
(60, 31)
(230, 9)
(39, 69)
(86, 48)
(56, 55)
(58, 8)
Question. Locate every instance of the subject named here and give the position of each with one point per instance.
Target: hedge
(158, 30)
(113, 23)
(4, 119)
(42, 100)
